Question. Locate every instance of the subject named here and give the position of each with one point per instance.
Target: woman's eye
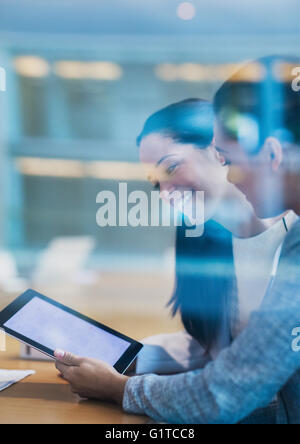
(224, 162)
(222, 159)
(172, 168)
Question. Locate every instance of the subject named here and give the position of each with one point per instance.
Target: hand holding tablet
(47, 325)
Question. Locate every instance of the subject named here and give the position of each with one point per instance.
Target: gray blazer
(255, 379)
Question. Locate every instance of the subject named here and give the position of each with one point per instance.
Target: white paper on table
(10, 377)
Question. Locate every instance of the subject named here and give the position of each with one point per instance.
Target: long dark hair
(190, 121)
(203, 265)
(203, 287)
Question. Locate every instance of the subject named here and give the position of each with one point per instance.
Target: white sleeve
(170, 353)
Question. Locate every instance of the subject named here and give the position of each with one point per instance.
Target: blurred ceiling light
(227, 70)
(33, 166)
(31, 66)
(91, 70)
(186, 11)
(188, 72)
(193, 72)
(116, 171)
(284, 72)
(253, 72)
(167, 72)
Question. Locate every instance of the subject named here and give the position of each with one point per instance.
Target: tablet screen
(55, 328)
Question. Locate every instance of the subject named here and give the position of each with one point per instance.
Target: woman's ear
(273, 150)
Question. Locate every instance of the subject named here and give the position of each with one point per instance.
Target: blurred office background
(81, 78)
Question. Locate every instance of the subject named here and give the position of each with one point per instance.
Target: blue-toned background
(82, 76)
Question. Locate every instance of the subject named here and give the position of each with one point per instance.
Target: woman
(221, 278)
(177, 151)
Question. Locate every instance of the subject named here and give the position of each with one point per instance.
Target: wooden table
(45, 398)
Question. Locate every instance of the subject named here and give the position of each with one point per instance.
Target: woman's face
(179, 167)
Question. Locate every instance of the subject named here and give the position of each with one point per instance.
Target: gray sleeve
(245, 376)
(170, 353)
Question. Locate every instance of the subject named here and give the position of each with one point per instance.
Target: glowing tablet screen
(55, 328)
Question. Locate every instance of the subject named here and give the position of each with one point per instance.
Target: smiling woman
(177, 151)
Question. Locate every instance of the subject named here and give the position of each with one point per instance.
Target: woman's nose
(235, 175)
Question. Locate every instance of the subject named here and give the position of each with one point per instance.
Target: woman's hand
(90, 378)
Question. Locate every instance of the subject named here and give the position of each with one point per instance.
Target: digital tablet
(46, 325)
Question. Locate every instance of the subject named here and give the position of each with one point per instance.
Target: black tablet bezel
(121, 365)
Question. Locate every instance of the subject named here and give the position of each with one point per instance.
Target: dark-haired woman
(216, 292)
(221, 279)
